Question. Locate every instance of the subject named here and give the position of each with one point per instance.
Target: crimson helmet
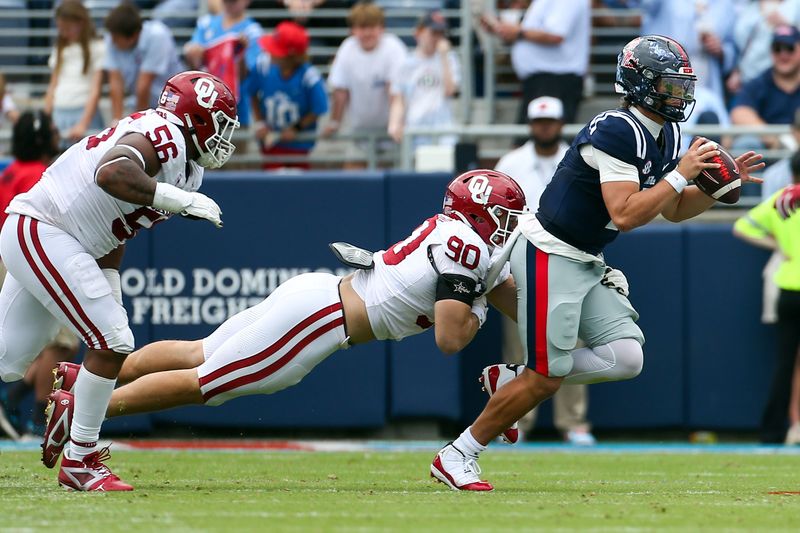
(655, 72)
(206, 108)
(479, 198)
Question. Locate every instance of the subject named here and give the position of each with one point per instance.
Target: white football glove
(480, 308)
(204, 207)
(193, 204)
(615, 279)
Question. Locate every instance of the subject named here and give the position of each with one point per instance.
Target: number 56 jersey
(68, 197)
(400, 291)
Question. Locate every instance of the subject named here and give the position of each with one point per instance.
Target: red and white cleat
(458, 471)
(65, 375)
(90, 474)
(495, 376)
(59, 421)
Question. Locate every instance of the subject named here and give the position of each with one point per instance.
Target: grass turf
(392, 491)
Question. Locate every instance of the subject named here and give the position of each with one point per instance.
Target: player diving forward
(621, 171)
(97, 195)
(429, 279)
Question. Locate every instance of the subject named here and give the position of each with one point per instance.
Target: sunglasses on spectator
(777, 48)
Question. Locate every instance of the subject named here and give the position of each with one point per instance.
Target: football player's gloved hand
(615, 279)
(480, 308)
(788, 201)
(204, 207)
(192, 204)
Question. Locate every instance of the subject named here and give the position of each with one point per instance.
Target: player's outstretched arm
(126, 171)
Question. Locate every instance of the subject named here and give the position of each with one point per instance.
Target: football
(723, 184)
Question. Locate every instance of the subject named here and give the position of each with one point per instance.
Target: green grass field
(392, 491)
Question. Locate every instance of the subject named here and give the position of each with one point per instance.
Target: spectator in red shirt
(34, 143)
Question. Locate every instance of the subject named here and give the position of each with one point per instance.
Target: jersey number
(159, 137)
(469, 256)
(403, 249)
(124, 229)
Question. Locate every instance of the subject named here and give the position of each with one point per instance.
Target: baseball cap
(433, 20)
(289, 38)
(545, 107)
(786, 35)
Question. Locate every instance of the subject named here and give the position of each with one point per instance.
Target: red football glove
(788, 201)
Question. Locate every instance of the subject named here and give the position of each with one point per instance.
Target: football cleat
(459, 472)
(65, 375)
(59, 419)
(492, 378)
(90, 474)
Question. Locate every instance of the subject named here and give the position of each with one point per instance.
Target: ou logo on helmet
(206, 93)
(480, 189)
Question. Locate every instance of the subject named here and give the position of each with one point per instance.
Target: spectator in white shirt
(532, 165)
(425, 83)
(8, 111)
(77, 74)
(359, 78)
(550, 51)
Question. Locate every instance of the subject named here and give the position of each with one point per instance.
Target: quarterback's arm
(455, 325)
(691, 203)
(630, 207)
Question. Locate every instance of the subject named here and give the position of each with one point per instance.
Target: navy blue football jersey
(572, 207)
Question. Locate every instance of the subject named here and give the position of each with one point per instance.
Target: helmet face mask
(204, 106)
(488, 201)
(655, 73)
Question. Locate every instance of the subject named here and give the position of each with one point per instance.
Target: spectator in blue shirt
(773, 96)
(140, 58)
(212, 29)
(289, 94)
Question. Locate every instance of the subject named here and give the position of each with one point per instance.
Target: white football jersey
(68, 197)
(400, 291)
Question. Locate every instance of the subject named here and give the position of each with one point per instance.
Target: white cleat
(458, 471)
(793, 435)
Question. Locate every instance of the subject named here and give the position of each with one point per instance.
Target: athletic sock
(468, 445)
(92, 395)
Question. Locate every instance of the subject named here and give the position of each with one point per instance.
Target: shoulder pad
(619, 135)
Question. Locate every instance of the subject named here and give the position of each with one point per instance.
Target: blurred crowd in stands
(399, 67)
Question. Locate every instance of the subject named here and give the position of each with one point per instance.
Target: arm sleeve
(613, 169)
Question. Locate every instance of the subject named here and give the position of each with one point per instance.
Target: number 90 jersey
(400, 291)
(68, 197)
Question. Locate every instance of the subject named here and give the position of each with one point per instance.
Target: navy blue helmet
(655, 73)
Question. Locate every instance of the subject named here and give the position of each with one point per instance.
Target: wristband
(170, 198)
(676, 180)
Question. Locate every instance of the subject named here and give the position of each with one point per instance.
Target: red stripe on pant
(540, 325)
(37, 244)
(274, 347)
(277, 365)
(45, 283)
